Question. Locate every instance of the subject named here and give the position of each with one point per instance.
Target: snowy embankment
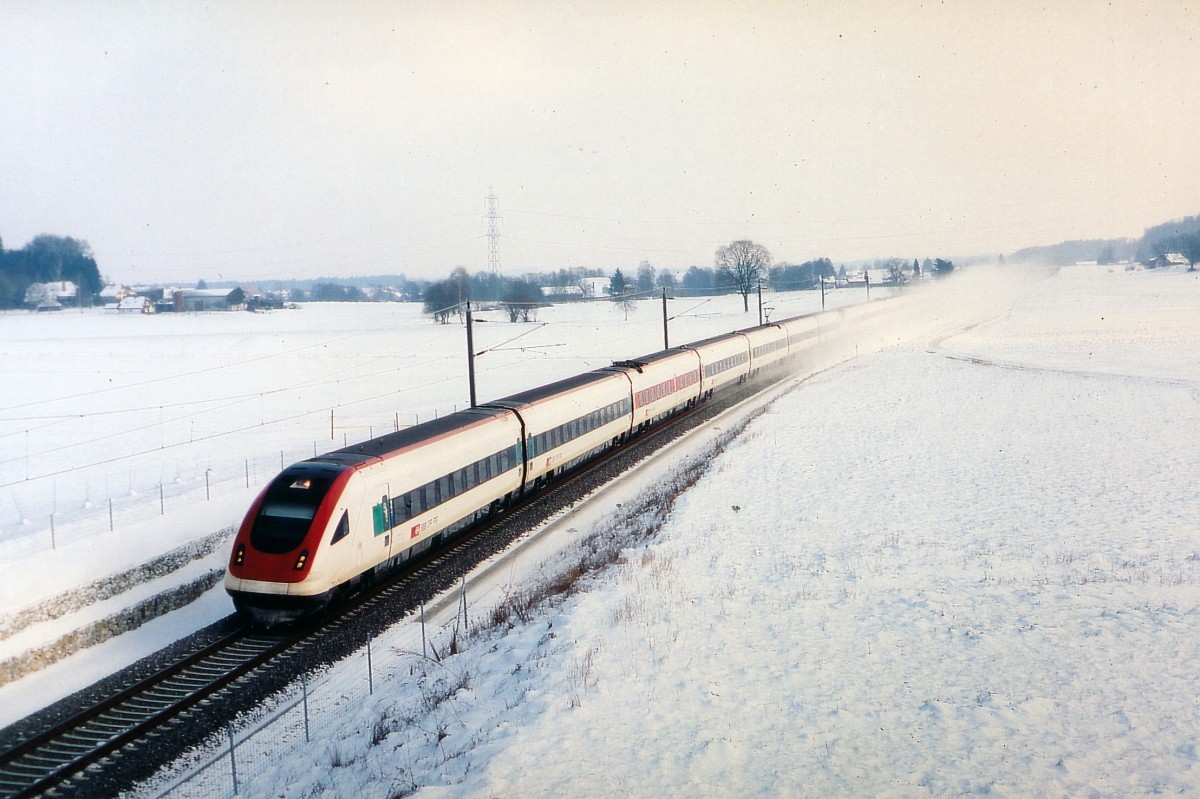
(133, 444)
(970, 568)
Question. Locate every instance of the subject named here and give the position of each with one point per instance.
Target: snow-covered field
(967, 563)
(125, 436)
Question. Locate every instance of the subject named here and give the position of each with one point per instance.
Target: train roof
(382, 445)
(646, 360)
(558, 387)
(713, 339)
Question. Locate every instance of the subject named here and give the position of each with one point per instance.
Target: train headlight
(301, 561)
(239, 555)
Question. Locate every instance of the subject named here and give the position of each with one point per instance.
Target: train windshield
(287, 512)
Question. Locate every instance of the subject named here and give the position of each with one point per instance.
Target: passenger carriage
(662, 383)
(724, 360)
(768, 347)
(570, 420)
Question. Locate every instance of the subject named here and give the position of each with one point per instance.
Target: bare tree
(645, 277)
(1188, 245)
(745, 264)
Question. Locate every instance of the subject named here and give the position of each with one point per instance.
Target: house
(594, 286)
(200, 300)
(52, 295)
(1167, 259)
(113, 293)
(135, 305)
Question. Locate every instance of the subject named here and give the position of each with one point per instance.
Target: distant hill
(1105, 251)
(1153, 242)
(360, 281)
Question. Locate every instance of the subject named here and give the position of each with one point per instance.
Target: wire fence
(152, 488)
(264, 741)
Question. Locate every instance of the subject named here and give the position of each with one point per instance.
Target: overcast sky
(252, 140)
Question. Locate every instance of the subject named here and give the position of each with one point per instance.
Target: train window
(287, 512)
(280, 527)
(343, 528)
(445, 492)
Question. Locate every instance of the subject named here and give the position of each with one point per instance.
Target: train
(327, 525)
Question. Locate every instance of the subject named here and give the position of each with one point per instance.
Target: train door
(381, 542)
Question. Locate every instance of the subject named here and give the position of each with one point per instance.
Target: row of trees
(521, 296)
(47, 259)
(741, 267)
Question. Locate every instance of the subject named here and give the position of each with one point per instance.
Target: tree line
(738, 267)
(48, 259)
(1177, 236)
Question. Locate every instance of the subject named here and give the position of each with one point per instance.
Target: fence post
(247, 472)
(304, 685)
(53, 545)
(110, 519)
(464, 604)
(232, 758)
(162, 503)
(424, 650)
(370, 677)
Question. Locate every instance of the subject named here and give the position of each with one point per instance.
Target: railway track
(76, 743)
(89, 752)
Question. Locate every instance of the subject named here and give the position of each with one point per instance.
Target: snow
(964, 563)
(958, 554)
(125, 436)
